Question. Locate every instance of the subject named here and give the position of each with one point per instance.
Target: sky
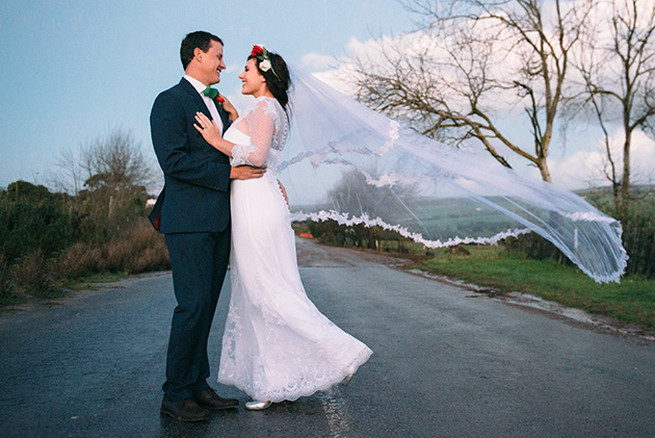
(74, 70)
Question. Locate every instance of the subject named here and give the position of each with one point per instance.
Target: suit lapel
(186, 86)
(223, 115)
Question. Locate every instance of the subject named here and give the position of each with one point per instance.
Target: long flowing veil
(346, 162)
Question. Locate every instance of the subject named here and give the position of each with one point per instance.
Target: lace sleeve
(261, 126)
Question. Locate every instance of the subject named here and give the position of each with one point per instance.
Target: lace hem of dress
(292, 391)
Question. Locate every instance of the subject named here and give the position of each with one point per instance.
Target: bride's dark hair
(280, 81)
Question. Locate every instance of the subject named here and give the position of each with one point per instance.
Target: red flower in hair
(256, 50)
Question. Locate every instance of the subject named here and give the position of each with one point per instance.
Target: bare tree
(117, 170)
(70, 178)
(471, 63)
(115, 160)
(618, 70)
(355, 193)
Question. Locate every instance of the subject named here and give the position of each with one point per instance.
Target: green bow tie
(210, 92)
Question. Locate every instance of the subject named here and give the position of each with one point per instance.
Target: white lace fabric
(277, 345)
(267, 126)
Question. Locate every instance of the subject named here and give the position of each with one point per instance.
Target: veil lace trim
(347, 163)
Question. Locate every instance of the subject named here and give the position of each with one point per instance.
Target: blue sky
(73, 70)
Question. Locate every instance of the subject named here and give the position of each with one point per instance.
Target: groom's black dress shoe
(208, 399)
(184, 410)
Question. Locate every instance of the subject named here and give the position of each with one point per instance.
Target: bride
(277, 345)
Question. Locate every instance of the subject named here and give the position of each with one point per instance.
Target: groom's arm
(170, 139)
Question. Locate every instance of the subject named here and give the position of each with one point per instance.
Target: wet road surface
(447, 362)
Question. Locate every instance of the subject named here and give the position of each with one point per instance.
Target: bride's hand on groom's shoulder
(208, 129)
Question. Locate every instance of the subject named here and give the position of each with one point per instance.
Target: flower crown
(260, 52)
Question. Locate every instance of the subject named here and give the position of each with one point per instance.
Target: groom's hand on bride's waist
(247, 172)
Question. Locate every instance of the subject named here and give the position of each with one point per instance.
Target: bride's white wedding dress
(277, 345)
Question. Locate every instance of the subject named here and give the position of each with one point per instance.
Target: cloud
(585, 158)
(585, 167)
(337, 79)
(315, 61)
(234, 68)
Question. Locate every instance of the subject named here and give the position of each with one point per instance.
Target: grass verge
(631, 302)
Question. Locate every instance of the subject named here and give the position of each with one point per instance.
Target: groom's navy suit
(193, 211)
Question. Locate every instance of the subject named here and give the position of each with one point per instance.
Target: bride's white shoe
(254, 405)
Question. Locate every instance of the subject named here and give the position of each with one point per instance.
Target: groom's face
(211, 62)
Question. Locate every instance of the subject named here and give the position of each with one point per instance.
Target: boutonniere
(212, 93)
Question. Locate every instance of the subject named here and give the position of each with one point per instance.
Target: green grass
(631, 302)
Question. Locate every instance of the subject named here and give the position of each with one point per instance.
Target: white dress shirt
(211, 106)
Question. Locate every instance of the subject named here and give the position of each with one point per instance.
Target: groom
(193, 211)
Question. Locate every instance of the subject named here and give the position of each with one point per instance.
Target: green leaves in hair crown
(260, 52)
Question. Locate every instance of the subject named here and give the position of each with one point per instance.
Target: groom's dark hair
(199, 39)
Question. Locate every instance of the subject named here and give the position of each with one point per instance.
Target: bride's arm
(260, 125)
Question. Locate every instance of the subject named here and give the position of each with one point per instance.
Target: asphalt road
(447, 362)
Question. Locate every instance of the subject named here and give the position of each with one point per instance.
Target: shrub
(78, 260)
(33, 219)
(533, 246)
(5, 278)
(331, 233)
(139, 249)
(32, 275)
(638, 240)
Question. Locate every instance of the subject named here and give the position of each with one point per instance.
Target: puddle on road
(336, 414)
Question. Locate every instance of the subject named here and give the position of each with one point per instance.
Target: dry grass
(78, 260)
(5, 278)
(32, 276)
(139, 249)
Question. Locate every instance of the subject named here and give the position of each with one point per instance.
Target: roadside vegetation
(470, 61)
(631, 302)
(530, 264)
(95, 229)
(53, 241)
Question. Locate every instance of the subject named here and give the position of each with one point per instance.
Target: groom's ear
(197, 53)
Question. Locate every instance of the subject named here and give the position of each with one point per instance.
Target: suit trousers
(199, 262)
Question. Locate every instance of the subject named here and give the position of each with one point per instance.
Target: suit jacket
(195, 197)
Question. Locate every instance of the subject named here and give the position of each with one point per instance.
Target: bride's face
(253, 82)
